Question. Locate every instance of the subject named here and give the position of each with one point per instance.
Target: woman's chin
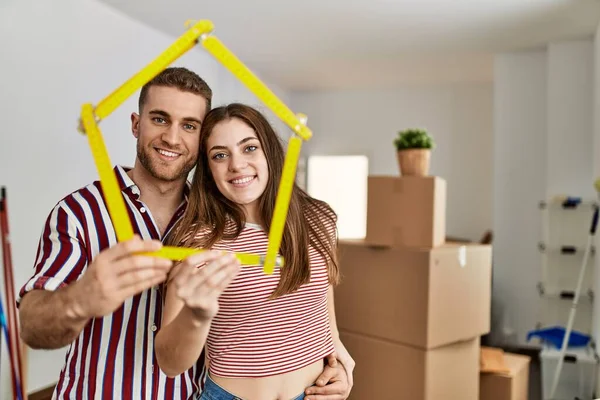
(243, 201)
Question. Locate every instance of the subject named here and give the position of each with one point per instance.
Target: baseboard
(42, 394)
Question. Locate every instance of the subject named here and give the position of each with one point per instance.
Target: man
(103, 299)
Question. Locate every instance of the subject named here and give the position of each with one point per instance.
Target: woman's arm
(190, 305)
(182, 336)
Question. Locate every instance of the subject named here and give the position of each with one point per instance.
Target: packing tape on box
(462, 256)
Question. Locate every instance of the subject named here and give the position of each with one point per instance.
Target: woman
(266, 335)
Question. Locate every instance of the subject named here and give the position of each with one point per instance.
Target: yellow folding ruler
(91, 116)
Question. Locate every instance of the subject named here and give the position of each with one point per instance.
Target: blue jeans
(212, 391)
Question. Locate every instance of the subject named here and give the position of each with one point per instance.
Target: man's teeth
(167, 153)
(242, 180)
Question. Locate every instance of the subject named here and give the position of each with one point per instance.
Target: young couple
(137, 326)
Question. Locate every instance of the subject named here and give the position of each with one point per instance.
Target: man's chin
(170, 177)
(167, 175)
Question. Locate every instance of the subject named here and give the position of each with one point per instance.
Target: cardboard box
(421, 297)
(510, 384)
(392, 371)
(406, 211)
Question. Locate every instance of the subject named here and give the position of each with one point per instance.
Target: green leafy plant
(413, 139)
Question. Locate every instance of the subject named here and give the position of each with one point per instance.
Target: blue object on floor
(555, 335)
(571, 202)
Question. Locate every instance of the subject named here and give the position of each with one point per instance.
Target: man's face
(168, 132)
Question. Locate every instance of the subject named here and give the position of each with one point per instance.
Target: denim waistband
(212, 391)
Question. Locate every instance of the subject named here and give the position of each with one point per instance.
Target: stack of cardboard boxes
(411, 307)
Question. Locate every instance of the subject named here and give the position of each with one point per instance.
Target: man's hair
(179, 78)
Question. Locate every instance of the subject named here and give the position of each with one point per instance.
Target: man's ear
(135, 124)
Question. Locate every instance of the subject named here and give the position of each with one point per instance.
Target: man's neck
(162, 198)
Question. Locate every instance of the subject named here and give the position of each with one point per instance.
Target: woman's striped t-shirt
(254, 336)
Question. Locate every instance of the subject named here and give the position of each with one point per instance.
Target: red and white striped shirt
(113, 357)
(254, 336)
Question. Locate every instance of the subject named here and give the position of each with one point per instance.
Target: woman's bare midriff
(276, 387)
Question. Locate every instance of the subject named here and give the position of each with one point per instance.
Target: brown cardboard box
(510, 385)
(421, 297)
(390, 371)
(406, 211)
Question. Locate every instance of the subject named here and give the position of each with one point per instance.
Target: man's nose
(171, 135)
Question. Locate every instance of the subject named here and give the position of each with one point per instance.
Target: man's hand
(200, 288)
(346, 360)
(332, 384)
(117, 274)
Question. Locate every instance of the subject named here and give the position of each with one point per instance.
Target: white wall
(596, 171)
(56, 56)
(459, 116)
(543, 147)
(519, 139)
(569, 157)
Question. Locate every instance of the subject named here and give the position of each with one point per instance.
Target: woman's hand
(200, 280)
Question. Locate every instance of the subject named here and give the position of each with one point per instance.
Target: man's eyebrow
(166, 115)
(192, 119)
(160, 112)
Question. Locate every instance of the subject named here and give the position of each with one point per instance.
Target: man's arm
(331, 310)
(54, 306)
(341, 353)
(53, 319)
(49, 319)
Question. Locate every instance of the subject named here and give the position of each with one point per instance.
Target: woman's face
(238, 164)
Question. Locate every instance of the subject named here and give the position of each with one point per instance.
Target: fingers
(331, 384)
(139, 269)
(129, 247)
(327, 375)
(332, 360)
(211, 279)
(202, 257)
(326, 397)
(335, 390)
(136, 263)
(136, 287)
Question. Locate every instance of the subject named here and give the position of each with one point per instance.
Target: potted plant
(413, 148)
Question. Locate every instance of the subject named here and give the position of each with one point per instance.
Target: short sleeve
(61, 254)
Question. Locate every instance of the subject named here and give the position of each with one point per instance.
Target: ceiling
(315, 44)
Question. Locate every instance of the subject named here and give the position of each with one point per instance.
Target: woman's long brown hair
(310, 222)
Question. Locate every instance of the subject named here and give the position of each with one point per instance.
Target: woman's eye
(218, 156)
(251, 148)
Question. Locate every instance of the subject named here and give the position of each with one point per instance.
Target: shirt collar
(127, 185)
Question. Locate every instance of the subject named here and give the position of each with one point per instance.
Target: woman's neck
(251, 214)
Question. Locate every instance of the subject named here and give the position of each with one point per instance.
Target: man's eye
(158, 120)
(189, 127)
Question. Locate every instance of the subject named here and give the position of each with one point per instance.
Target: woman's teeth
(242, 180)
